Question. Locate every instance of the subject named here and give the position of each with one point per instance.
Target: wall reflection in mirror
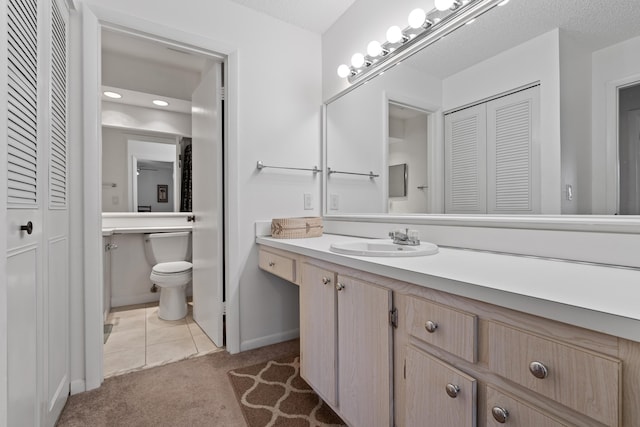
(530, 110)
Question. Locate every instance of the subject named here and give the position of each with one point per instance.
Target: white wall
(145, 119)
(276, 104)
(533, 61)
(610, 65)
(575, 112)
(131, 73)
(357, 136)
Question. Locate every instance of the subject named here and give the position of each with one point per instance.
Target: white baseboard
(78, 386)
(134, 299)
(269, 339)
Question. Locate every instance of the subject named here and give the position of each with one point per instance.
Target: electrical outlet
(334, 202)
(308, 201)
(115, 200)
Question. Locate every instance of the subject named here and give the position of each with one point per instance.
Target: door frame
(91, 118)
(435, 150)
(612, 135)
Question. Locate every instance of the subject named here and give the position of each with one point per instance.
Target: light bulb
(374, 48)
(444, 4)
(343, 71)
(394, 34)
(357, 60)
(114, 95)
(417, 18)
(503, 2)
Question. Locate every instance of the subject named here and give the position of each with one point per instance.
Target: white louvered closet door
(34, 97)
(465, 161)
(513, 167)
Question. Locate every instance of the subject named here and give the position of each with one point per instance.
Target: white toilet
(170, 256)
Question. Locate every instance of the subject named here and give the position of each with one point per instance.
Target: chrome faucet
(406, 238)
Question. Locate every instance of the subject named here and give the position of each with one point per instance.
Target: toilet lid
(172, 267)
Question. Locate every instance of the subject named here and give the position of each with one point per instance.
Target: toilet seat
(172, 267)
(171, 274)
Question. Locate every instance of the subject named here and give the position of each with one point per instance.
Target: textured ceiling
(313, 15)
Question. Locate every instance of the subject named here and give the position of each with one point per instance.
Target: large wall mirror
(147, 123)
(532, 109)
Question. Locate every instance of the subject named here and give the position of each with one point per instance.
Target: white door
(37, 214)
(24, 208)
(207, 205)
(56, 232)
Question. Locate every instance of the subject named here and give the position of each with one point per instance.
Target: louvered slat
(22, 119)
(464, 164)
(58, 150)
(513, 157)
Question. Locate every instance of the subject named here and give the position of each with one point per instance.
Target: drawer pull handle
(272, 264)
(500, 414)
(339, 286)
(452, 390)
(431, 326)
(326, 280)
(538, 370)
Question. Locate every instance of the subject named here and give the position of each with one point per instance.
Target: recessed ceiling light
(471, 21)
(502, 3)
(114, 95)
(160, 103)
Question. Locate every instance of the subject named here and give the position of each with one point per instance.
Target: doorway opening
(408, 159)
(629, 149)
(161, 91)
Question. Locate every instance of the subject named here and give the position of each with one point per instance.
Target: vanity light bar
(423, 30)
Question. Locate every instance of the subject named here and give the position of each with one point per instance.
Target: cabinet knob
(339, 286)
(271, 263)
(431, 326)
(325, 280)
(538, 370)
(28, 227)
(452, 390)
(500, 414)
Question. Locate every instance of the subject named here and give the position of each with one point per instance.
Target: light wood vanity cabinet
(279, 263)
(437, 394)
(506, 367)
(345, 344)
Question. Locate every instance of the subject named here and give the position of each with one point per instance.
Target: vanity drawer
(580, 379)
(280, 265)
(506, 410)
(451, 330)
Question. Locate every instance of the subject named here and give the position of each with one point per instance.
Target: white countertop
(108, 231)
(601, 298)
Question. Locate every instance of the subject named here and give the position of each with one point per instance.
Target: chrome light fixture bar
(423, 29)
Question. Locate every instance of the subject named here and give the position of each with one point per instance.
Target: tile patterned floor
(140, 340)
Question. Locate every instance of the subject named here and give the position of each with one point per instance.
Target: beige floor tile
(162, 353)
(204, 344)
(123, 361)
(128, 308)
(125, 340)
(153, 321)
(194, 329)
(128, 323)
(162, 335)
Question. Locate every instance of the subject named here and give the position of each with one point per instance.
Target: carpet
(273, 394)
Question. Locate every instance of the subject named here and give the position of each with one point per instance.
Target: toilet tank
(167, 247)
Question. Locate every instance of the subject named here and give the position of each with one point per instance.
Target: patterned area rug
(273, 394)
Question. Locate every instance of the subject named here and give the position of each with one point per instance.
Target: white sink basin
(382, 247)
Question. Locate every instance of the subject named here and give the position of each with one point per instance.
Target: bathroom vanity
(464, 338)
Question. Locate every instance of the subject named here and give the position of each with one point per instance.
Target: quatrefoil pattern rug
(273, 394)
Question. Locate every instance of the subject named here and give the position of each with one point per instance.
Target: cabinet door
(364, 353)
(465, 160)
(318, 331)
(513, 165)
(437, 394)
